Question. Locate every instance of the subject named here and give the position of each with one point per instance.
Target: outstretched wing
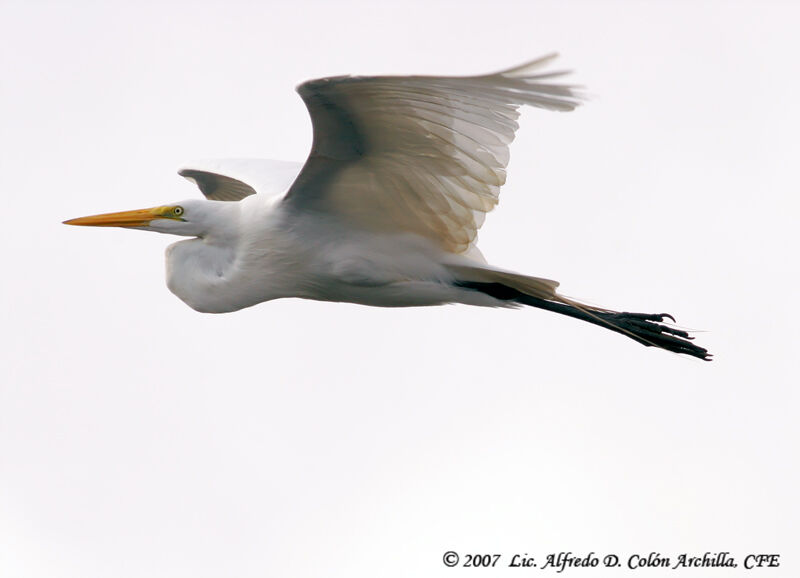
(235, 179)
(421, 154)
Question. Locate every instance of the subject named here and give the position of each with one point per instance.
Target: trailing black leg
(645, 328)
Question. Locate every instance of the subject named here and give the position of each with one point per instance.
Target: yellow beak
(138, 218)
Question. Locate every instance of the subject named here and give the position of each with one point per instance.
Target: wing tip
(530, 65)
(531, 80)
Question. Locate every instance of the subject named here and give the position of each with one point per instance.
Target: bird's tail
(645, 328)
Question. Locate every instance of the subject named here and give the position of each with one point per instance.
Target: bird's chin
(170, 227)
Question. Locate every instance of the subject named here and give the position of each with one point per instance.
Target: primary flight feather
(385, 211)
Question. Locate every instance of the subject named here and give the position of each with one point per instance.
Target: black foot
(648, 330)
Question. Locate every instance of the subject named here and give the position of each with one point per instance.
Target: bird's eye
(177, 211)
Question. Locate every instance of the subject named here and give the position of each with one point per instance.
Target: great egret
(384, 212)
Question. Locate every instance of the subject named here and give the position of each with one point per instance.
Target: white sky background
(140, 438)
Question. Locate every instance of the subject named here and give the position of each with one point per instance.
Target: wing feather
(420, 154)
(218, 187)
(235, 179)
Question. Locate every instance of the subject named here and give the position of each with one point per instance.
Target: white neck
(230, 267)
(198, 270)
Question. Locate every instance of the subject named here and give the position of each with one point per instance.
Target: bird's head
(191, 218)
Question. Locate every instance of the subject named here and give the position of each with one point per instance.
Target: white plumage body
(268, 254)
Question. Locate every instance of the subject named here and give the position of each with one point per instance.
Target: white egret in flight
(385, 211)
